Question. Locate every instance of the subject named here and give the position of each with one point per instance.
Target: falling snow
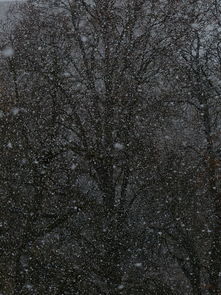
(110, 162)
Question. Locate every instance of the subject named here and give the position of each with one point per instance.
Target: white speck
(1, 116)
(66, 74)
(120, 287)
(160, 233)
(15, 111)
(138, 264)
(9, 145)
(8, 52)
(84, 38)
(69, 110)
(195, 26)
(73, 166)
(29, 286)
(210, 28)
(118, 146)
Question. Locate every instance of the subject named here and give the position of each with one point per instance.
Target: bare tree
(98, 196)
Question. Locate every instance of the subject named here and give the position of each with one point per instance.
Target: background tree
(110, 170)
